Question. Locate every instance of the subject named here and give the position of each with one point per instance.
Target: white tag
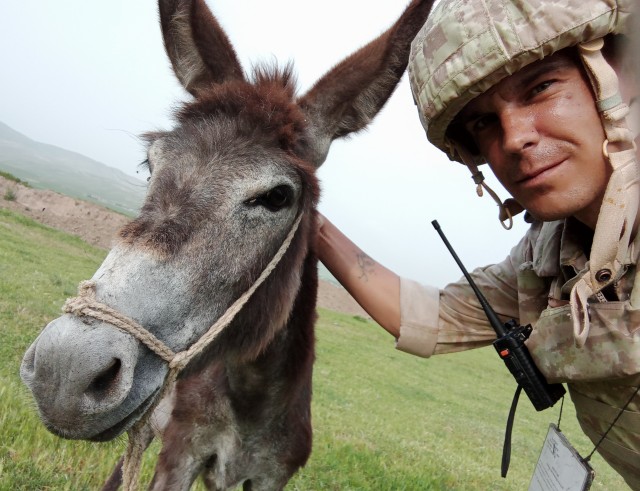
(560, 467)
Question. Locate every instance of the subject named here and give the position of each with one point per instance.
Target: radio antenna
(491, 314)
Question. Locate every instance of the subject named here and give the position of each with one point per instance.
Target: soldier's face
(542, 137)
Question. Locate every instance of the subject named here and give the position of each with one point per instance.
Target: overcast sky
(89, 76)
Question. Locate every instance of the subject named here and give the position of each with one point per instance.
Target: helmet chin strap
(619, 207)
(508, 208)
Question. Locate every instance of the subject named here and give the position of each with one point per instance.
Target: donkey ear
(199, 49)
(347, 98)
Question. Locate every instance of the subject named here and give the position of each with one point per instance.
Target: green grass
(383, 420)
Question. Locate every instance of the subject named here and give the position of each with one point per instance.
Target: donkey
(227, 185)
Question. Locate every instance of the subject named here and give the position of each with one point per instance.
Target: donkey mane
(264, 107)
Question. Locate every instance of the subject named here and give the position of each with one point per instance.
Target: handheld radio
(511, 348)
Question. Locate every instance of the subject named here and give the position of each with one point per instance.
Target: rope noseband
(85, 304)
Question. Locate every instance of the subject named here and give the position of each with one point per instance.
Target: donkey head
(227, 183)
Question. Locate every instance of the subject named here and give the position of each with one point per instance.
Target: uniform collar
(562, 247)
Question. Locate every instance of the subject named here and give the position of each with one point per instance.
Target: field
(383, 420)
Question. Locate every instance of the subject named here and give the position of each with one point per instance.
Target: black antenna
(497, 325)
(510, 346)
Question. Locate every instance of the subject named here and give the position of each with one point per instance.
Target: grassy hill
(383, 420)
(50, 167)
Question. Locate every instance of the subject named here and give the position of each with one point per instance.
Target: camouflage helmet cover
(467, 46)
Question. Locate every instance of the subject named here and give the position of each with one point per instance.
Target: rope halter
(85, 304)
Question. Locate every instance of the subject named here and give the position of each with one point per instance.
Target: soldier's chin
(540, 214)
(540, 217)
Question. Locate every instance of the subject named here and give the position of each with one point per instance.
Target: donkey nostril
(106, 379)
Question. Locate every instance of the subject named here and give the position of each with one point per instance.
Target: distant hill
(49, 167)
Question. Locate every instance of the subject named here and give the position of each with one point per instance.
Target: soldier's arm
(374, 287)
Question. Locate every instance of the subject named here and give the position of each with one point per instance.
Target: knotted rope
(85, 304)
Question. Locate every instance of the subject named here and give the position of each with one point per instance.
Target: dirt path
(93, 223)
(98, 226)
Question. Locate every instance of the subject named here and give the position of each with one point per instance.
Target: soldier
(536, 89)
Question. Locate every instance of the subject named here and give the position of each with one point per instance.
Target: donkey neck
(287, 360)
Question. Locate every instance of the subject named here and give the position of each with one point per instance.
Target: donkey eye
(278, 197)
(274, 199)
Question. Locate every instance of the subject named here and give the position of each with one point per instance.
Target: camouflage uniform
(585, 313)
(532, 286)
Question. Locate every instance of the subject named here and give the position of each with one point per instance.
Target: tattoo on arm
(366, 265)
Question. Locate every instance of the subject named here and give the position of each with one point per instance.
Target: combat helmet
(468, 46)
